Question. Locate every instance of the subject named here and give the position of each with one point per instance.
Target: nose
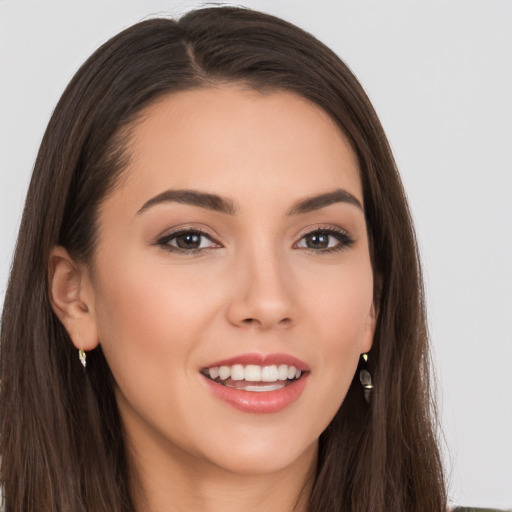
(261, 296)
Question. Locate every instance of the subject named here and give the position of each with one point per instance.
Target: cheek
(151, 321)
(140, 298)
(343, 307)
(343, 323)
(147, 317)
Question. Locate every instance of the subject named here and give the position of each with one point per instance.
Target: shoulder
(473, 509)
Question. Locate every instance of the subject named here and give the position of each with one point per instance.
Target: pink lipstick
(257, 383)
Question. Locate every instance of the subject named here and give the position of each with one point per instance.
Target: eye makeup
(189, 240)
(325, 240)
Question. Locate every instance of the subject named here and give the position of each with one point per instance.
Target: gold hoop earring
(366, 380)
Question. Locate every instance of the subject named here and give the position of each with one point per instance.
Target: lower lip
(259, 402)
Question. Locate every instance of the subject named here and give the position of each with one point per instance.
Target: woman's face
(235, 244)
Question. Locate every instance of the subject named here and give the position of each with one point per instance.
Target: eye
(187, 241)
(325, 240)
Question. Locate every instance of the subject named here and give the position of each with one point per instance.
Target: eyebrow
(225, 205)
(311, 204)
(194, 198)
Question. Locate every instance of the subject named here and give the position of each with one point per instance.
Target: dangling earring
(83, 357)
(366, 379)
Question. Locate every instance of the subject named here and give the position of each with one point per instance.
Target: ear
(369, 329)
(72, 298)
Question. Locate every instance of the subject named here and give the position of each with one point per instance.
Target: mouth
(257, 383)
(253, 377)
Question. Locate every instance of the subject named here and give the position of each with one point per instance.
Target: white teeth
(282, 372)
(268, 387)
(224, 372)
(269, 373)
(291, 372)
(237, 372)
(254, 373)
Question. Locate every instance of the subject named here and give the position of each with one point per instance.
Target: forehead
(231, 139)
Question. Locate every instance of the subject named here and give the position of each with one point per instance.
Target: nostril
(251, 321)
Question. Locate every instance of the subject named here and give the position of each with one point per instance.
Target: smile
(256, 383)
(253, 377)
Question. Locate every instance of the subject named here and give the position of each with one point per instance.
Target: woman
(221, 287)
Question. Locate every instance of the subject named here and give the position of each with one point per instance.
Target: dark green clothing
(472, 509)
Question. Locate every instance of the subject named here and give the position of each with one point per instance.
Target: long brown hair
(61, 434)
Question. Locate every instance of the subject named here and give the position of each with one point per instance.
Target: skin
(254, 286)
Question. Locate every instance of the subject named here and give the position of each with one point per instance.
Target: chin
(265, 457)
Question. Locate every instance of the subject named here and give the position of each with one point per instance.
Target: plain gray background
(440, 77)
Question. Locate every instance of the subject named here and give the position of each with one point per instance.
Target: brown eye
(317, 241)
(187, 241)
(325, 240)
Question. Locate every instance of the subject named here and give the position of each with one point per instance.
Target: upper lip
(262, 360)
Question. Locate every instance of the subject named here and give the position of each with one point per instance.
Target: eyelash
(343, 238)
(165, 241)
